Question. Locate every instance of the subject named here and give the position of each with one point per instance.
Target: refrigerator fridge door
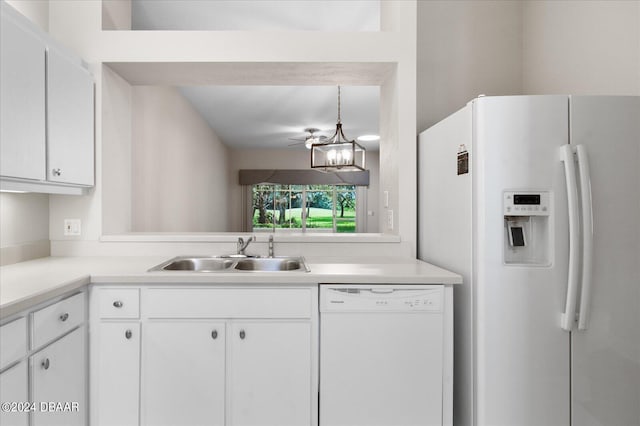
(522, 353)
(606, 355)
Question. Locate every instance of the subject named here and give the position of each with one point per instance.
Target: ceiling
(258, 116)
(267, 116)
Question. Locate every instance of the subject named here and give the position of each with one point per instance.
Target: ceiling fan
(310, 139)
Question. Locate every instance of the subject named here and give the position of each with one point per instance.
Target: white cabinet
(183, 373)
(47, 112)
(118, 374)
(69, 120)
(270, 373)
(48, 371)
(13, 336)
(208, 355)
(58, 378)
(115, 357)
(22, 101)
(13, 390)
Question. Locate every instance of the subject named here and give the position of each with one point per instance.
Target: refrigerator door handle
(587, 236)
(568, 317)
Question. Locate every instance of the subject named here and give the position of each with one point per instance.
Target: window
(316, 208)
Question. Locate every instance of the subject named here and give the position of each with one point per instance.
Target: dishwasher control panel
(381, 298)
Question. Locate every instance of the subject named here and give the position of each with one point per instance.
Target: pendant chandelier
(338, 153)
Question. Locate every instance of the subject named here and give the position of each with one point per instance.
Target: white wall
(289, 159)
(582, 47)
(36, 10)
(261, 57)
(466, 48)
(116, 14)
(24, 227)
(179, 178)
(116, 151)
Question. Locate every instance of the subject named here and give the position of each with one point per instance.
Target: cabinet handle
(118, 304)
(128, 334)
(214, 334)
(64, 317)
(45, 364)
(242, 334)
(57, 172)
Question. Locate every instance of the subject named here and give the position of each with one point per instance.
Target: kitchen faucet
(271, 245)
(242, 244)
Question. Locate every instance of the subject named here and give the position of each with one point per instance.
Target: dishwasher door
(381, 355)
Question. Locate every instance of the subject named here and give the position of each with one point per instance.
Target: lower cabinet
(183, 378)
(269, 373)
(117, 392)
(58, 382)
(204, 356)
(13, 389)
(43, 364)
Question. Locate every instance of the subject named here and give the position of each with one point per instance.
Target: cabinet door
(13, 388)
(22, 102)
(183, 373)
(270, 373)
(118, 374)
(70, 121)
(58, 378)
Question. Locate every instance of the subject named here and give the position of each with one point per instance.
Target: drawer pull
(64, 317)
(214, 334)
(118, 304)
(57, 172)
(45, 364)
(128, 334)
(242, 334)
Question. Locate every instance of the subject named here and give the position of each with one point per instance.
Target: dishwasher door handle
(381, 290)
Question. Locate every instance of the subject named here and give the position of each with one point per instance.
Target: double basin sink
(233, 263)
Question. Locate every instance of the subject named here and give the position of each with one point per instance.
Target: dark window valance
(303, 177)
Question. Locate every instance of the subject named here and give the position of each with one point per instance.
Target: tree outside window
(315, 207)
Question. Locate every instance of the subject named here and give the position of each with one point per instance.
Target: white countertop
(26, 284)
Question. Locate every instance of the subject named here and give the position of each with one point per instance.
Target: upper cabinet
(22, 109)
(47, 112)
(69, 121)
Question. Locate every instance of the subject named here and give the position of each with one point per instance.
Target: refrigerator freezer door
(606, 356)
(522, 353)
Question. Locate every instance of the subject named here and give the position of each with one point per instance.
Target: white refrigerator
(535, 200)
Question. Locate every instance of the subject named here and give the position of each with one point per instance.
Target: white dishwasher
(382, 353)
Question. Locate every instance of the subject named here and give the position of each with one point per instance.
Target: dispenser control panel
(526, 203)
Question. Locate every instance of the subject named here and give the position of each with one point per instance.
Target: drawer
(14, 341)
(55, 320)
(119, 303)
(227, 303)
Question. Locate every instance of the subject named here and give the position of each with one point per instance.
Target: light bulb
(346, 156)
(331, 157)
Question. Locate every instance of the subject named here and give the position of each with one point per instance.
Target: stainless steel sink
(233, 264)
(272, 264)
(199, 264)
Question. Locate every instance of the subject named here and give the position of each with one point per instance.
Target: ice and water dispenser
(526, 228)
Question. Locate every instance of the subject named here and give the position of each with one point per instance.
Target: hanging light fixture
(338, 153)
